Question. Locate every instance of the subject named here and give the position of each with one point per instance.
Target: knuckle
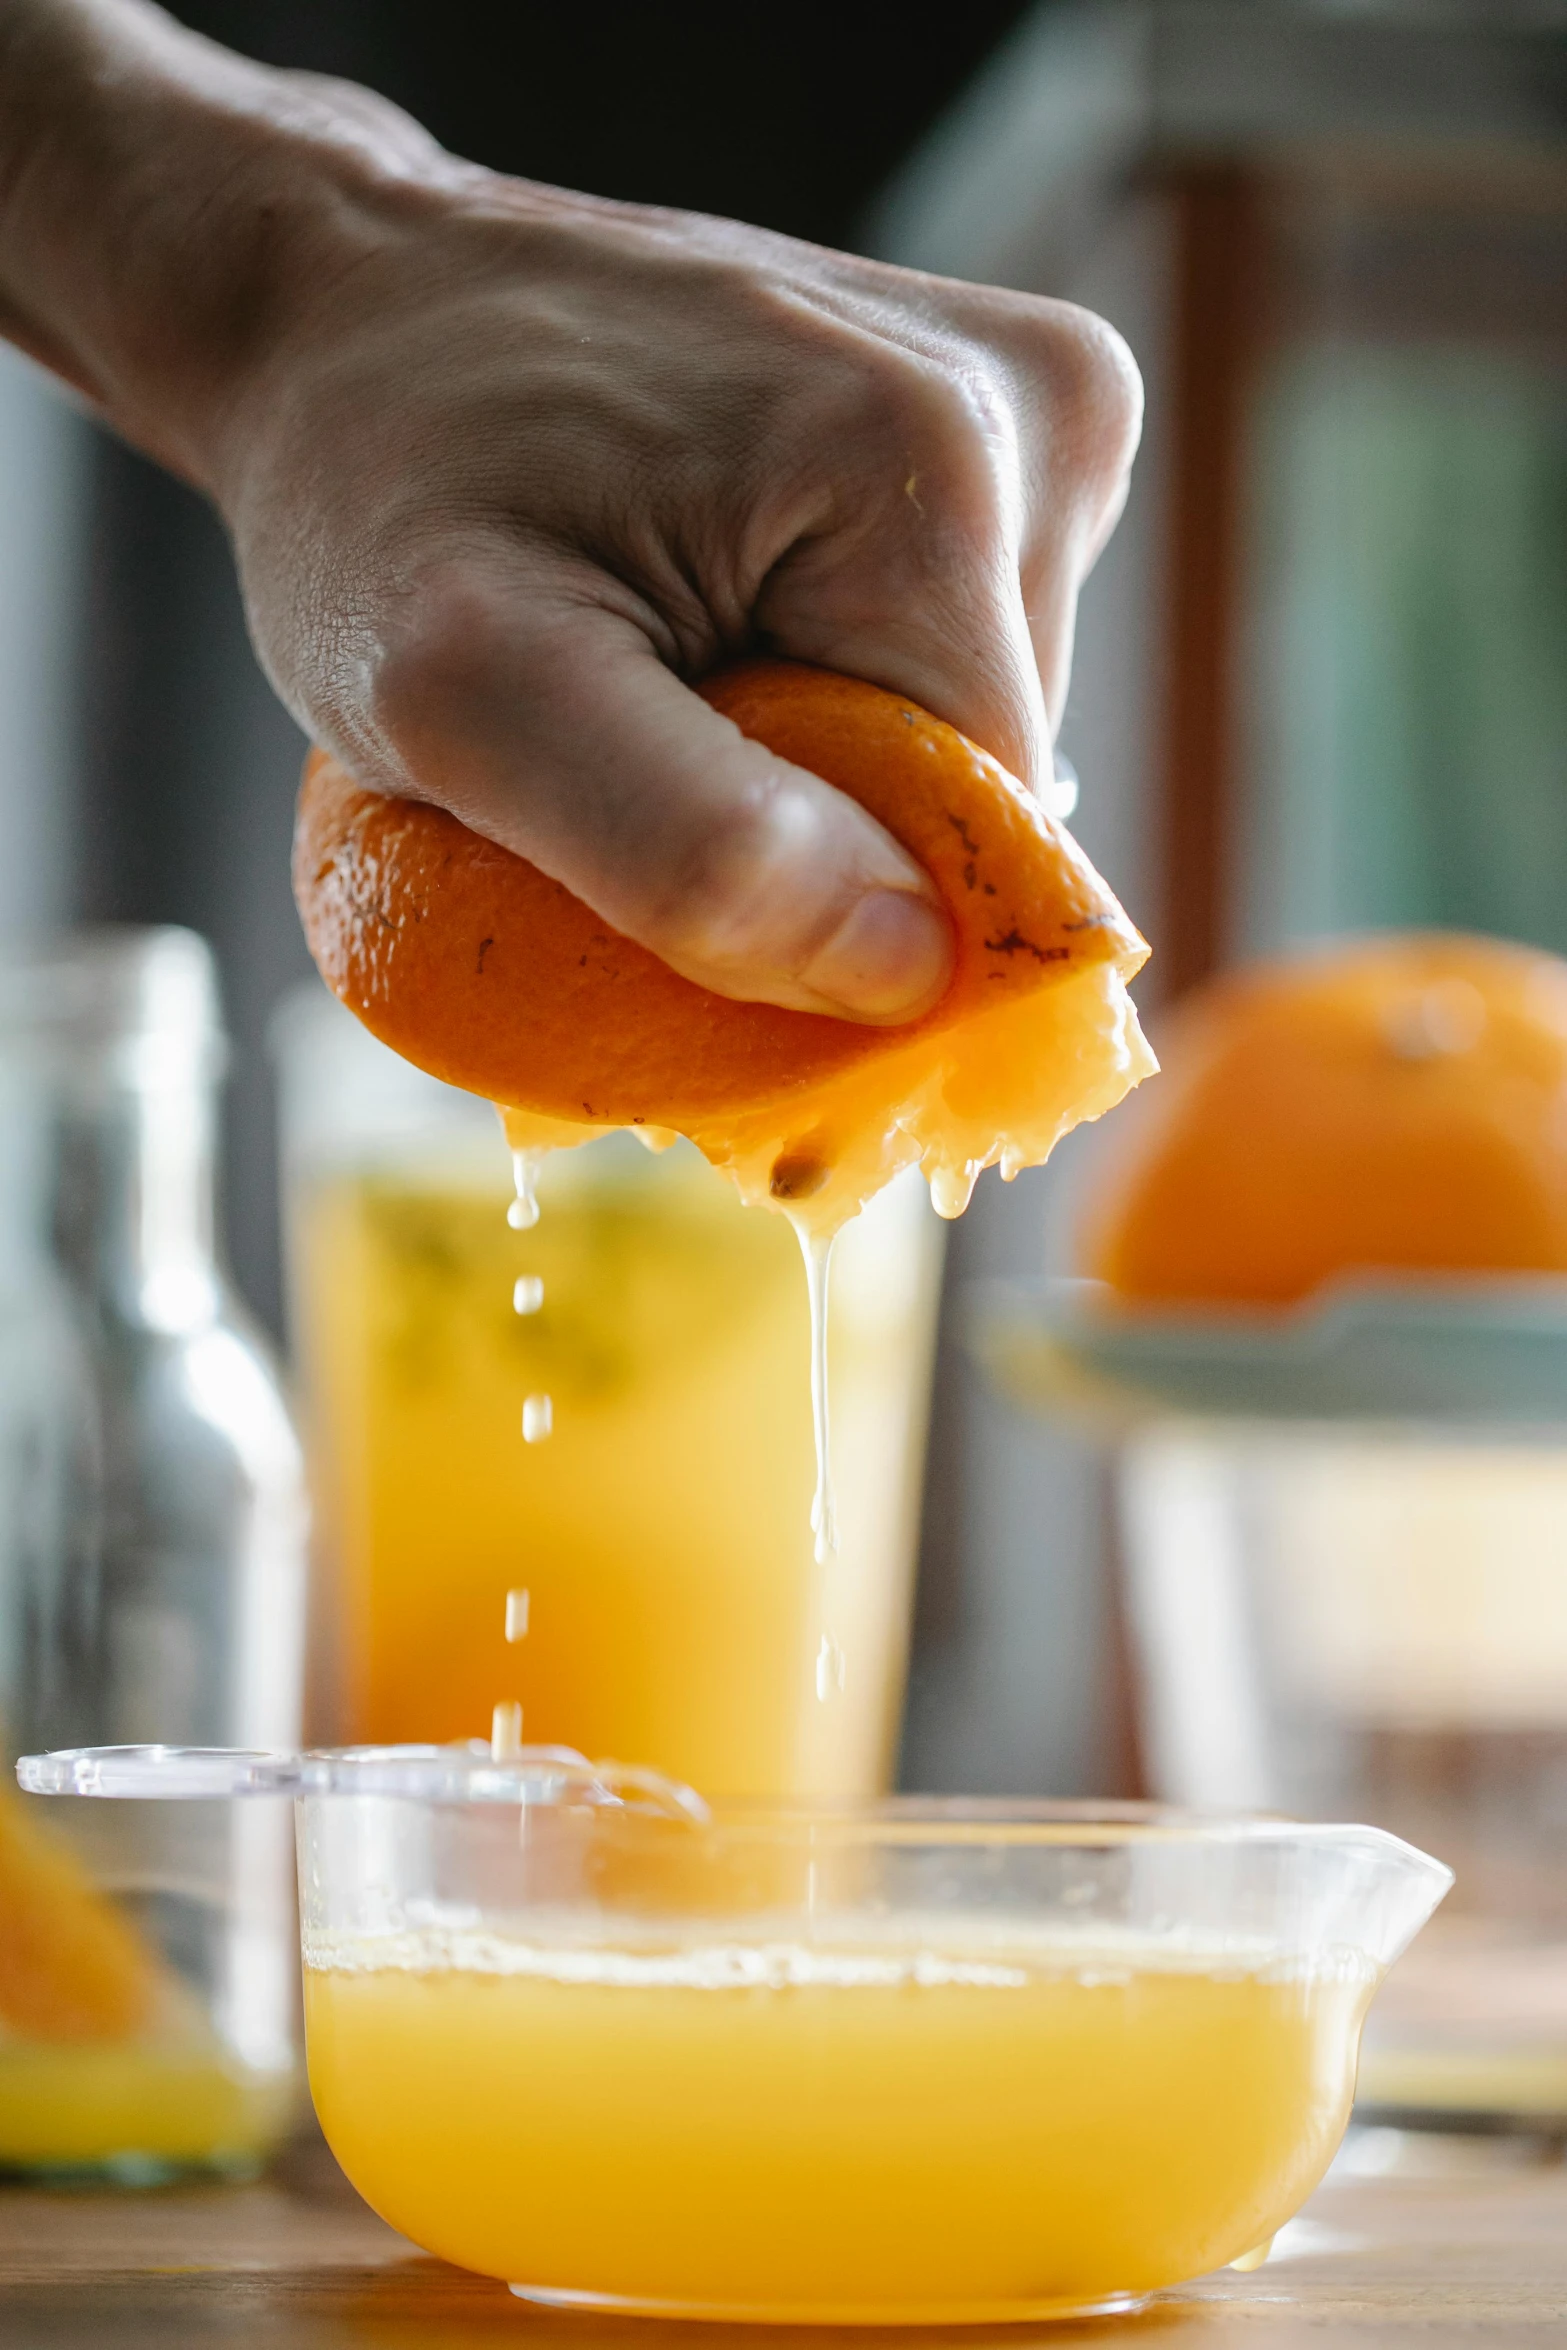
(439, 648)
(948, 457)
(956, 411)
(1113, 389)
(712, 871)
(472, 636)
(717, 894)
(1097, 392)
(864, 403)
(1072, 375)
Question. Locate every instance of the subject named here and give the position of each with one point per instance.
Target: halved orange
(484, 971)
(1397, 1104)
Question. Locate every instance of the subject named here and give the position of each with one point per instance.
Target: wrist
(168, 211)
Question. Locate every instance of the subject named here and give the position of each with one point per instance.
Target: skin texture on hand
(505, 467)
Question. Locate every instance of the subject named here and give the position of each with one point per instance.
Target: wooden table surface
(1428, 2242)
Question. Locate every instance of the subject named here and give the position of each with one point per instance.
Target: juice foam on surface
(955, 2121)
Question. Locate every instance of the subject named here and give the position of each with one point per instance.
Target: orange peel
(480, 968)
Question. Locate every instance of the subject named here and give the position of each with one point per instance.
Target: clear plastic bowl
(899, 2063)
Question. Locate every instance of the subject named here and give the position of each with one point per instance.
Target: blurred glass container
(1354, 1621)
(152, 1553)
(570, 1466)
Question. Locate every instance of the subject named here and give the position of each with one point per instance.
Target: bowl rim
(470, 1777)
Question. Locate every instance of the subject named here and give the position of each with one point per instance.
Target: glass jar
(152, 1551)
(569, 1466)
(1368, 1621)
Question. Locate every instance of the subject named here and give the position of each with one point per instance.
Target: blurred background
(1321, 678)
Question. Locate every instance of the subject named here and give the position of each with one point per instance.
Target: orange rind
(481, 969)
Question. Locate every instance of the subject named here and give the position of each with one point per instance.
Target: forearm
(166, 208)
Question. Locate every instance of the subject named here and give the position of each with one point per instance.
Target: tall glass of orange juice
(570, 1466)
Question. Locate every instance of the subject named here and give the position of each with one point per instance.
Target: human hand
(506, 466)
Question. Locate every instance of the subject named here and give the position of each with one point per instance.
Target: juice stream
(816, 1248)
(530, 1139)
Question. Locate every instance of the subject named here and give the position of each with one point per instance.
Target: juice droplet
(830, 1669)
(538, 1418)
(817, 1248)
(516, 1615)
(527, 1294)
(523, 1213)
(952, 1188)
(506, 1732)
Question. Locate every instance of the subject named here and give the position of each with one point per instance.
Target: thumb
(571, 743)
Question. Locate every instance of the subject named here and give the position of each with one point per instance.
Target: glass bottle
(152, 1548)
